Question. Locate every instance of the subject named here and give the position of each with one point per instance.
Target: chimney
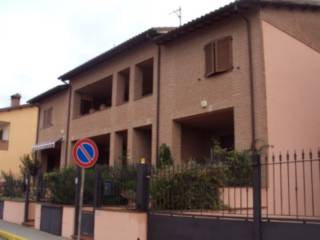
(15, 100)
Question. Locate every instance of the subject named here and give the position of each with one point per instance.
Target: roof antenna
(178, 12)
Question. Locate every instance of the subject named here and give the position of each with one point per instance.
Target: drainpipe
(68, 125)
(257, 228)
(158, 104)
(252, 97)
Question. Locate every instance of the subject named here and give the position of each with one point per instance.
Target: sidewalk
(29, 233)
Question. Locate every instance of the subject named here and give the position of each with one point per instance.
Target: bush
(187, 188)
(165, 158)
(60, 185)
(29, 164)
(13, 187)
(238, 169)
(124, 182)
(236, 165)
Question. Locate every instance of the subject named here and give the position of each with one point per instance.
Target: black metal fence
(266, 199)
(286, 187)
(291, 186)
(104, 186)
(222, 188)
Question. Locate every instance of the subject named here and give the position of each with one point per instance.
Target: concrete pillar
(130, 146)
(176, 143)
(114, 89)
(113, 150)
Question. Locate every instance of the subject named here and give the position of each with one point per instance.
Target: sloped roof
(48, 93)
(166, 34)
(22, 106)
(231, 9)
(132, 42)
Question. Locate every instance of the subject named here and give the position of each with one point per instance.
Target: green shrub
(165, 158)
(29, 164)
(60, 185)
(236, 165)
(13, 187)
(187, 188)
(124, 181)
(238, 169)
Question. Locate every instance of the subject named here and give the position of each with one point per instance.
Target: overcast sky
(42, 39)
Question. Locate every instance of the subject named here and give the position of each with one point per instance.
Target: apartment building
(245, 74)
(18, 127)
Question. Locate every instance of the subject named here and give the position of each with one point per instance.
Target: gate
(87, 223)
(51, 219)
(269, 198)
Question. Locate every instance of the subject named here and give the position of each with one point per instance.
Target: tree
(29, 164)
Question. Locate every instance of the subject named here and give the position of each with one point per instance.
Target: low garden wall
(13, 211)
(67, 219)
(120, 224)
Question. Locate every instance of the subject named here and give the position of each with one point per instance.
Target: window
(123, 85)
(47, 118)
(144, 79)
(4, 136)
(85, 106)
(94, 97)
(218, 56)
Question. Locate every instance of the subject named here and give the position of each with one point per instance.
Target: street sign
(85, 153)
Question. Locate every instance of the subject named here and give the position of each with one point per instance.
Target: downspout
(158, 104)
(251, 79)
(68, 125)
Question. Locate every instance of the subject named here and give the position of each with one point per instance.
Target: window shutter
(224, 57)
(209, 59)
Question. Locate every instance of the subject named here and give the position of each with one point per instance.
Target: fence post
(256, 164)
(27, 193)
(39, 187)
(142, 197)
(97, 187)
(77, 181)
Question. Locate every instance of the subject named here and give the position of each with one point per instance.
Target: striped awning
(43, 146)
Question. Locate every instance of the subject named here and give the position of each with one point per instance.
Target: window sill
(144, 96)
(218, 73)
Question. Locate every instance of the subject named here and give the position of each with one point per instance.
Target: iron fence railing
(291, 186)
(203, 189)
(288, 186)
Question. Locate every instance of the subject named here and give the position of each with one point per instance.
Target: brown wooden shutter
(224, 57)
(209, 59)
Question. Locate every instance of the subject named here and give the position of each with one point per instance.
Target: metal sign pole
(81, 203)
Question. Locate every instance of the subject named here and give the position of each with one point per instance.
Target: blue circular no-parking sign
(85, 153)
